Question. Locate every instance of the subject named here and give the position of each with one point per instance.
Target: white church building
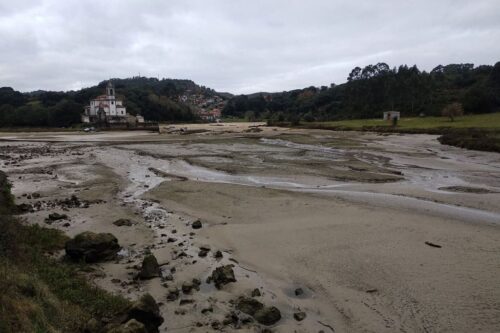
(105, 108)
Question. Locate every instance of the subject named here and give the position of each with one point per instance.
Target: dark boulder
(187, 287)
(223, 275)
(196, 224)
(24, 208)
(55, 217)
(123, 223)
(256, 292)
(249, 305)
(185, 301)
(146, 311)
(196, 283)
(72, 202)
(261, 313)
(218, 254)
(237, 319)
(173, 294)
(92, 247)
(299, 316)
(268, 315)
(150, 268)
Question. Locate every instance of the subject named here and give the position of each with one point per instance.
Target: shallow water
(416, 176)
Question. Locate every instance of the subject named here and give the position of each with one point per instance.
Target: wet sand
(344, 216)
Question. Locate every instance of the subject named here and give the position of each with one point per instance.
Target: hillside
(377, 88)
(157, 100)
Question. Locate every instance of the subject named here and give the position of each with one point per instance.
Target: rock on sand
(92, 247)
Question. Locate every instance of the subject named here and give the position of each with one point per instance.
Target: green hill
(374, 89)
(156, 100)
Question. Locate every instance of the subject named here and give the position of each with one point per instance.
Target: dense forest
(156, 100)
(377, 88)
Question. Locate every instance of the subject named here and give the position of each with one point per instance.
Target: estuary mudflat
(380, 233)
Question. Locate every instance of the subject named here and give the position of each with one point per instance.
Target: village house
(208, 108)
(105, 108)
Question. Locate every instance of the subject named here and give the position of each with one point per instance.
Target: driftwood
(433, 245)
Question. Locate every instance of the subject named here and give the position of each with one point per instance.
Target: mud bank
(345, 217)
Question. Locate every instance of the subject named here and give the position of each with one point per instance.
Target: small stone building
(390, 115)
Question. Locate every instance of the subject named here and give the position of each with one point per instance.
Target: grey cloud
(235, 45)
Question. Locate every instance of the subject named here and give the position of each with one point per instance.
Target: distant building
(105, 108)
(208, 108)
(390, 115)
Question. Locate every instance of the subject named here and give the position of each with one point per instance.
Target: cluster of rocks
(94, 247)
(17, 154)
(144, 314)
(246, 311)
(265, 315)
(64, 204)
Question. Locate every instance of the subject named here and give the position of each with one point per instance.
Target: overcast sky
(236, 46)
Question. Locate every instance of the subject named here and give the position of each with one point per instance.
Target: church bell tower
(110, 90)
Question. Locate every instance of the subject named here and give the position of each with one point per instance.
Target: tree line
(376, 88)
(156, 100)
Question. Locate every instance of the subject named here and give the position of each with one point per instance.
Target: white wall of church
(110, 105)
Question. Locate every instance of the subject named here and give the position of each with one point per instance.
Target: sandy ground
(344, 216)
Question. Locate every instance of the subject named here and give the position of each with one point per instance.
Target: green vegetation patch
(476, 140)
(6, 198)
(484, 121)
(39, 293)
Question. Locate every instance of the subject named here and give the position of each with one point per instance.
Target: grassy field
(483, 121)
